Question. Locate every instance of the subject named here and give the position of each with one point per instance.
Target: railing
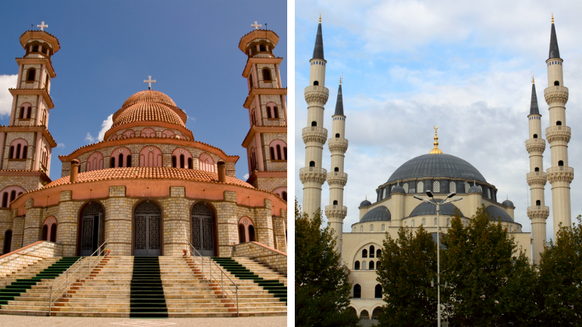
(313, 170)
(77, 271)
(223, 274)
(32, 250)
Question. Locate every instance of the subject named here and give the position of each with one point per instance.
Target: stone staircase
(107, 292)
(29, 271)
(261, 270)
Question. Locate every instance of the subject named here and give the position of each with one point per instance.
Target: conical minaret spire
(560, 175)
(538, 212)
(313, 175)
(337, 178)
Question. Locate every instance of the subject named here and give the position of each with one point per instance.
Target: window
(364, 265)
(128, 161)
(262, 47)
(335, 202)
(371, 250)
(448, 222)
(357, 291)
(435, 221)
(357, 265)
(361, 229)
(31, 75)
(423, 221)
(535, 136)
(336, 169)
(436, 186)
(206, 163)
(413, 223)
(371, 265)
(383, 227)
(182, 162)
(537, 169)
(420, 187)
(405, 186)
(452, 187)
(364, 253)
(312, 164)
(313, 124)
(559, 123)
(371, 230)
(538, 203)
(378, 292)
(560, 163)
(315, 83)
(337, 135)
(378, 254)
(556, 83)
(266, 74)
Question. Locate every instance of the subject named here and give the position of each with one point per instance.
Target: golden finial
(436, 149)
(533, 80)
(552, 18)
(320, 18)
(340, 80)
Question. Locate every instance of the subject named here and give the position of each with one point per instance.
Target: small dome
(365, 203)
(149, 96)
(475, 189)
(380, 213)
(147, 111)
(397, 189)
(498, 214)
(429, 209)
(508, 203)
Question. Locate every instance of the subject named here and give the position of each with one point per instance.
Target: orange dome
(149, 96)
(147, 111)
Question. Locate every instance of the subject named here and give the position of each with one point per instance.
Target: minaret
(337, 178)
(536, 178)
(266, 140)
(560, 175)
(314, 135)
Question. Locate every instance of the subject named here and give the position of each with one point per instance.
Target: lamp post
(438, 205)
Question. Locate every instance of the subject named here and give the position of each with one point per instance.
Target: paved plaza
(34, 321)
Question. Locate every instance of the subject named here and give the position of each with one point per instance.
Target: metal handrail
(195, 254)
(61, 284)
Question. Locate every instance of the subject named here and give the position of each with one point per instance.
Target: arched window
(7, 241)
(272, 151)
(383, 227)
(5, 200)
(275, 112)
(335, 202)
(18, 149)
(262, 47)
(357, 291)
(119, 157)
(312, 164)
(127, 134)
(453, 187)
(364, 315)
(182, 162)
(253, 160)
(535, 136)
(279, 152)
(378, 254)
(371, 250)
(556, 83)
(112, 162)
(121, 160)
(436, 186)
(357, 265)
(183, 158)
(128, 161)
(378, 292)
(336, 169)
(11, 152)
(206, 163)
(24, 152)
(405, 187)
(364, 253)
(269, 112)
(22, 111)
(150, 156)
(537, 169)
(49, 229)
(560, 163)
(315, 83)
(246, 230)
(559, 123)
(168, 134)
(173, 161)
(371, 265)
(94, 162)
(30, 76)
(337, 135)
(190, 163)
(538, 203)
(12, 195)
(413, 223)
(148, 132)
(282, 192)
(420, 187)
(423, 221)
(313, 123)
(266, 74)
(284, 196)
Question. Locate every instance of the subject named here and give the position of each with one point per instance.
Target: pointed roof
(554, 50)
(318, 49)
(339, 104)
(534, 109)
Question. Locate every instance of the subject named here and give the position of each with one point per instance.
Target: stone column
(31, 223)
(68, 223)
(264, 225)
(119, 221)
(227, 224)
(176, 221)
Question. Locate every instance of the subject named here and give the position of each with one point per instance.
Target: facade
(149, 188)
(395, 205)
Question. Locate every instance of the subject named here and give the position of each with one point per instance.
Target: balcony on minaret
(560, 174)
(535, 145)
(558, 133)
(556, 93)
(317, 94)
(336, 211)
(314, 134)
(338, 145)
(337, 178)
(538, 212)
(536, 178)
(312, 174)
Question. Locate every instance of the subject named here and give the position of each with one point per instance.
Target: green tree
(322, 288)
(491, 282)
(561, 278)
(407, 266)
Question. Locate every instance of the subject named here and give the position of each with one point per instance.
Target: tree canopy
(322, 288)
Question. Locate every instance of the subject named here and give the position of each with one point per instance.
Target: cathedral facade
(397, 202)
(149, 188)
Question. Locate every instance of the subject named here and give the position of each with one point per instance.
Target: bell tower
(266, 140)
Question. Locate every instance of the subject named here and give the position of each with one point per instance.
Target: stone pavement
(35, 321)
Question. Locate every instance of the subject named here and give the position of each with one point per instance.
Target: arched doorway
(7, 241)
(91, 228)
(147, 230)
(203, 229)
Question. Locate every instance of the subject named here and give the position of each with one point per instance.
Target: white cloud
(246, 176)
(105, 126)
(6, 82)
(89, 138)
(61, 145)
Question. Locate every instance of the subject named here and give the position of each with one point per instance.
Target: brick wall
(270, 257)
(28, 255)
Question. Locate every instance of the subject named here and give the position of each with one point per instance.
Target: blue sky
(109, 47)
(464, 66)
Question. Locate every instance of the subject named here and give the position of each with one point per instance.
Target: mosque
(149, 188)
(396, 206)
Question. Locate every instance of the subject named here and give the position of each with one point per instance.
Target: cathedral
(397, 198)
(149, 188)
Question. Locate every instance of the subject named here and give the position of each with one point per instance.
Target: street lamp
(438, 205)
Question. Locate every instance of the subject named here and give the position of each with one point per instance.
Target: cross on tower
(42, 26)
(256, 25)
(149, 81)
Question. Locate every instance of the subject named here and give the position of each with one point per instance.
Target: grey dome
(397, 189)
(426, 208)
(475, 189)
(508, 203)
(380, 213)
(437, 165)
(496, 213)
(365, 203)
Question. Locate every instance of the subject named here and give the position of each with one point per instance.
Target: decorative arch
(150, 156)
(10, 193)
(148, 132)
(246, 230)
(364, 314)
(113, 137)
(206, 163)
(278, 150)
(119, 157)
(203, 229)
(95, 161)
(25, 110)
(91, 230)
(49, 229)
(272, 110)
(18, 149)
(181, 158)
(128, 133)
(378, 310)
(282, 192)
(147, 222)
(168, 134)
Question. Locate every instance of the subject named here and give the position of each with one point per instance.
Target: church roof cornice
(256, 60)
(37, 128)
(43, 61)
(257, 34)
(46, 96)
(263, 91)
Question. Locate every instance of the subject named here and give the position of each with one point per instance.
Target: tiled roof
(148, 173)
(148, 111)
(149, 96)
